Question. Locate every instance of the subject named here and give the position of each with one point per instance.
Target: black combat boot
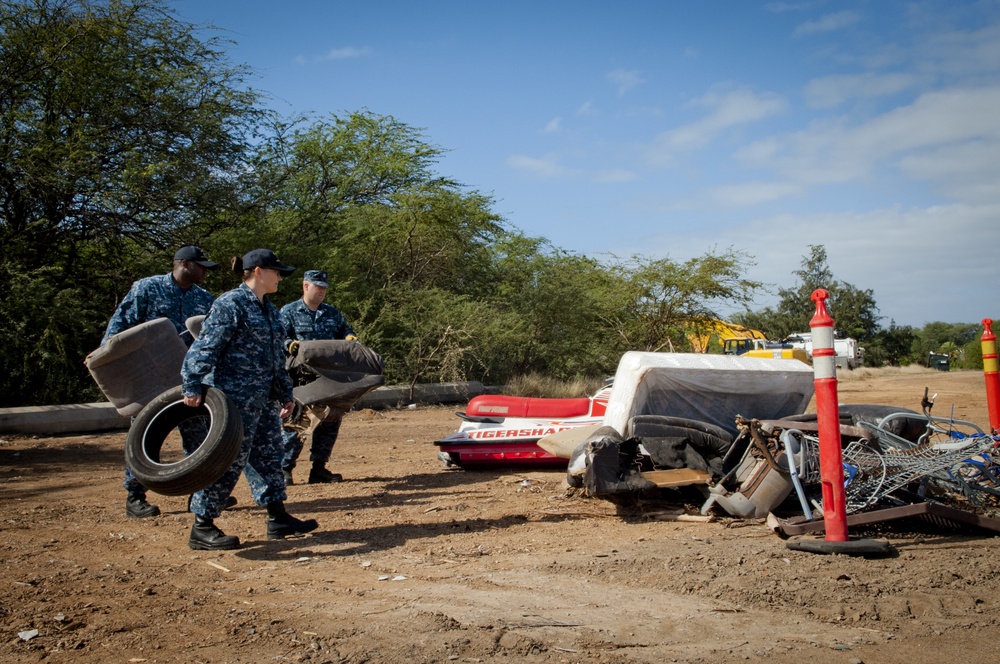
(136, 507)
(288, 477)
(318, 474)
(281, 524)
(205, 535)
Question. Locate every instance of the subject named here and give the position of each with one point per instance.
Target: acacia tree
(357, 195)
(118, 124)
(659, 300)
(122, 133)
(557, 300)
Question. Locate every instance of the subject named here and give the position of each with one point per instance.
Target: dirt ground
(414, 563)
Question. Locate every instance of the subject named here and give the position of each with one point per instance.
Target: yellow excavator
(740, 340)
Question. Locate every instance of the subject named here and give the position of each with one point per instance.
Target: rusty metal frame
(933, 513)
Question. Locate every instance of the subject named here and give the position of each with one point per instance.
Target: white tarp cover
(709, 388)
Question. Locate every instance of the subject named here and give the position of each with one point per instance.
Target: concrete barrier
(398, 396)
(72, 418)
(88, 417)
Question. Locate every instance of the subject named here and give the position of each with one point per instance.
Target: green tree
(656, 301)
(890, 346)
(854, 310)
(118, 124)
(556, 300)
(122, 134)
(357, 195)
(311, 172)
(945, 338)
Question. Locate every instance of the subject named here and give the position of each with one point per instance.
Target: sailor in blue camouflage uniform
(176, 296)
(310, 319)
(240, 352)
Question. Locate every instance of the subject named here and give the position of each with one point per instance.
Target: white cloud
(834, 151)
(827, 23)
(961, 53)
(922, 264)
(830, 91)
(342, 53)
(751, 193)
(690, 53)
(726, 108)
(967, 171)
(546, 166)
(614, 176)
(586, 108)
(346, 53)
(625, 80)
(552, 126)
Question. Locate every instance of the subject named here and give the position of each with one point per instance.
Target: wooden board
(676, 477)
(562, 443)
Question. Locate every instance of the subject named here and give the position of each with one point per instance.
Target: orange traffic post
(831, 467)
(992, 372)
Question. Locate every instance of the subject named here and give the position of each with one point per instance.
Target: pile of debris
(897, 464)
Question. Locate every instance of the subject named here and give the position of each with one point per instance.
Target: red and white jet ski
(503, 431)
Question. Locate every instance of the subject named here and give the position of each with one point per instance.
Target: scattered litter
(398, 578)
(217, 566)
(366, 563)
(28, 634)
(384, 577)
(412, 406)
(302, 559)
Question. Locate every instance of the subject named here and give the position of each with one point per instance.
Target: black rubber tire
(708, 439)
(199, 469)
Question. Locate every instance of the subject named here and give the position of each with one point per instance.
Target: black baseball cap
(265, 258)
(193, 253)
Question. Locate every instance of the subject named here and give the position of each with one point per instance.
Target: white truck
(849, 353)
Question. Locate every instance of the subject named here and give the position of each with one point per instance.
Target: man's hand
(286, 410)
(194, 401)
(293, 347)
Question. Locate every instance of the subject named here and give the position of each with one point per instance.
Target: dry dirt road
(413, 563)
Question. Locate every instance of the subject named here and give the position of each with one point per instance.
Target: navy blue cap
(266, 259)
(317, 277)
(193, 253)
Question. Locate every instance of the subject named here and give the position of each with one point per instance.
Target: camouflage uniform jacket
(239, 351)
(303, 324)
(159, 297)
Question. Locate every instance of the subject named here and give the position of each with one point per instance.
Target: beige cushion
(137, 365)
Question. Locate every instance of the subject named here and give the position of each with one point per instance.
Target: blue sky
(677, 128)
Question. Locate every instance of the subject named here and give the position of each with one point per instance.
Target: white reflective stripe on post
(824, 356)
(822, 337)
(824, 366)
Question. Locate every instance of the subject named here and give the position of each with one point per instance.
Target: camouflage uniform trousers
(192, 432)
(259, 459)
(321, 426)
